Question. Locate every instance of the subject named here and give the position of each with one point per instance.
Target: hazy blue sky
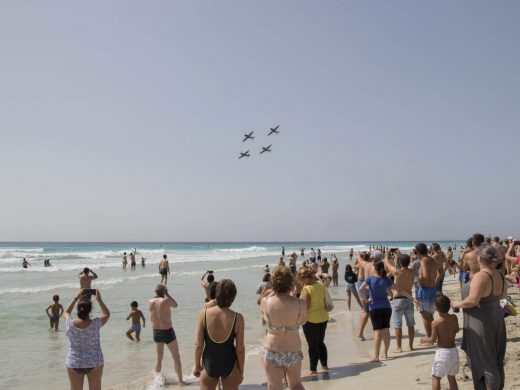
(123, 120)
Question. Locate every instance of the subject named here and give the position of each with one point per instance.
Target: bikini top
(275, 329)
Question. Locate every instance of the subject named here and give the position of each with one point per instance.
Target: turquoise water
(36, 355)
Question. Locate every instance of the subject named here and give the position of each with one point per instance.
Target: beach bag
(508, 307)
(329, 306)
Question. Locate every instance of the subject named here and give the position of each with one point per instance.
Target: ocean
(33, 357)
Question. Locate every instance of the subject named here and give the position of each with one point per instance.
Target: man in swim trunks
(163, 333)
(25, 263)
(125, 261)
(427, 286)
(56, 312)
(164, 269)
(440, 260)
(85, 278)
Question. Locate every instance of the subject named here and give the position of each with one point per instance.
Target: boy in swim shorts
(136, 315)
(56, 312)
(444, 330)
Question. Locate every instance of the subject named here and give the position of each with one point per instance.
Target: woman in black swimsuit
(219, 347)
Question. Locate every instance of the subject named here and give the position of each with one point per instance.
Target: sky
(123, 120)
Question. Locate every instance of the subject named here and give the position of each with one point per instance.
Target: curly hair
(226, 293)
(306, 273)
(282, 280)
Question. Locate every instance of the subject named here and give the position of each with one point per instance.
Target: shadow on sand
(341, 372)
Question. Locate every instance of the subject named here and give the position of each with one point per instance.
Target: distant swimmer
(274, 130)
(143, 261)
(164, 269)
(125, 261)
(25, 263)
(85, 278)
(56, 311)
(136, 315)
(248, 136)
(302, 253)
(245, 154)
(132, 260)
(283, 251)
(266, 149)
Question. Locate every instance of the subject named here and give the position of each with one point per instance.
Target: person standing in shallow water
(164, 269)
(163, 333)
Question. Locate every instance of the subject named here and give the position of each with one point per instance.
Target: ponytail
(380, 269)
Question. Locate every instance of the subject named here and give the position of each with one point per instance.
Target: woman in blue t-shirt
(379, 308)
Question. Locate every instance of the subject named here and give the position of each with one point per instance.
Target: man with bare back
(164, 269)
(427, 286)
(440, 260)
(471, 264)
(86, 277)
(160, 315)
(402, 301)
(365, 267)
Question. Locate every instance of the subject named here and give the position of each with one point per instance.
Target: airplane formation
(265, 149)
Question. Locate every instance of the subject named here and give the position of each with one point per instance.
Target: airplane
(246, 154)
(274, 130)
(266, 149)
(248, 136)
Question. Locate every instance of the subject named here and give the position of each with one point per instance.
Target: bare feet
(360, 338)
(312, 373)
(398, 350)
(183, 383)
(374, 360)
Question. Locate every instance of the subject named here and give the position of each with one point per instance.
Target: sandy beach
(348, 359)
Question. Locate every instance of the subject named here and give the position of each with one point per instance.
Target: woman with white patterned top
(84, 355)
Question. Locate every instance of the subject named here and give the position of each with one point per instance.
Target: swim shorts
(445, 362)
(136, 327)
(163, 271)
(380, 318)
(426, 297)
(165, 336)
(402, 306)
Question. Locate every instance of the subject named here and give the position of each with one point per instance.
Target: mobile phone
(89, 292)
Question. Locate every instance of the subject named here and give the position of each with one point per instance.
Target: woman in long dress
(484, 330)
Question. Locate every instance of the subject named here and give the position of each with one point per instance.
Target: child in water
(444, 330)
(135, 314)
(56, 312)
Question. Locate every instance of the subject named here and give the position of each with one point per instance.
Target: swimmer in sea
(164, 269)
(25, 263)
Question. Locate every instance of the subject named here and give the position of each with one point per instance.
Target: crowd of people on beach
(386, 284)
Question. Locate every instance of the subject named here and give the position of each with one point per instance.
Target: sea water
(33, 357)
